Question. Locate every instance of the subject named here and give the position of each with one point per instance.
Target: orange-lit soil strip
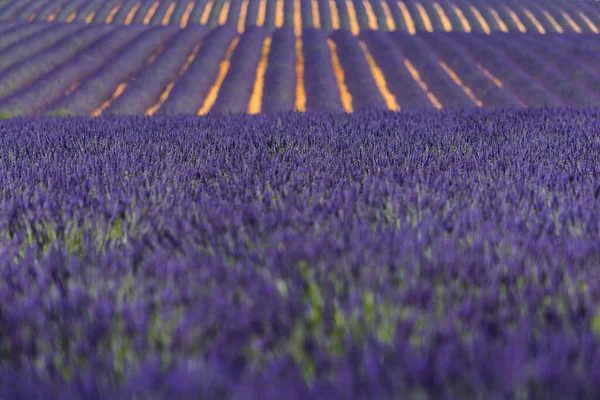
(300, 91)
(185, 18)
(461, 17)
(155, 54)
(262, 12)
(167, 17)
(52, 16)
(354, 27)
(516, 20)
(498, 20)
(571, 22)
(443, 17)
(224, 13)
(484, 25)
(424, 17)
(255, 104)
(389, 98)
(90, 17)
(389, 19)
(345, 95)
(118, 91)
(489, 75)
(279, 14)
(297, 18)
(535, 21)
(206, 12)
(314, 4)
(417, 77)
(335, 16)
(371, 17)
(242, 19)
(151, 12)
(71, 17)
(553, 22)
(71, 89)
(112, 13)
(211, 97)
(589, 22)
(460, 83)
(165, 94)
(410, 23)
(132, 12)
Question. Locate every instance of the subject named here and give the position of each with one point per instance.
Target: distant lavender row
(146, 88)
(374, 255)
(94, 89)
(27, 71)
(532, 16)
(38, 95)
(89, 69)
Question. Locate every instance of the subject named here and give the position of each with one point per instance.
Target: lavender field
(299, 199)
(371, 255)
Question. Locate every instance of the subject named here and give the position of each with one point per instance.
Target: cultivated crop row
(301, 256)
(538, 16)
(79, 69)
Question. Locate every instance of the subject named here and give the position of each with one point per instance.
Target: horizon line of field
(148, 70)
(354, 15)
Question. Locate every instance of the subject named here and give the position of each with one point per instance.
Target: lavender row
(36, 43)
(325, 16)
(215, 13)
(569, 92)
(101, 10)
(44, 12)
(584, 53)
(528, 91)
(236, 90)
(17, 32)
(160, 13)
(374, 255)
(197, 10)
(569, 66)
(189, 92)
(11, 10)
(357, 73)
(322, 92)
(179, 11)
(72, 7)
(147, 87)
(52, 86)
(123, 12)
(27, 71)
(437, 80)
(489, 93)
(426, 15)
(96, 89)
(407, 92)
(280, 77)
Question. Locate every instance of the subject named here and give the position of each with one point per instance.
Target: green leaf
(596, 323)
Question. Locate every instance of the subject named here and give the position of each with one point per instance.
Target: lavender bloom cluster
(371, 255)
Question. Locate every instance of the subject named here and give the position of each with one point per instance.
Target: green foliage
(596, 323)
(61, 112)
